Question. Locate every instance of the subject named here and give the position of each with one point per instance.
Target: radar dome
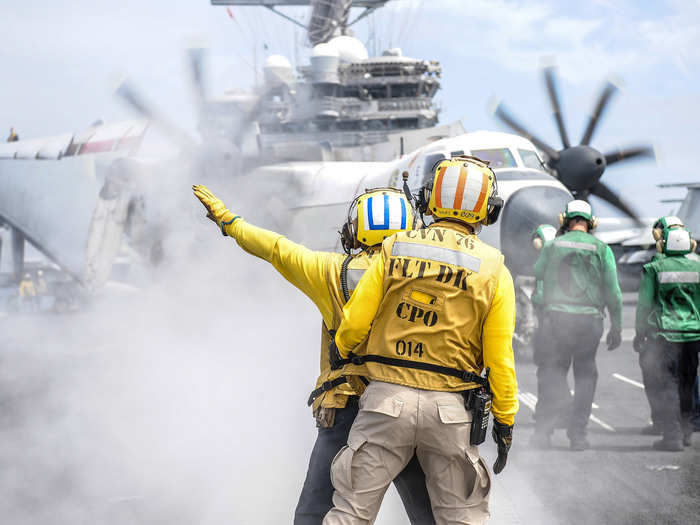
(324, 64)
(349, 48)
(324, 50)
(277, 70)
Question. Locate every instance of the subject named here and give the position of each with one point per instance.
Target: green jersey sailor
(667, 334)
(579, 281)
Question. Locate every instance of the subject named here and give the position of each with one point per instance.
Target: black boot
(668, 444)
(578, 443)
(651, 430)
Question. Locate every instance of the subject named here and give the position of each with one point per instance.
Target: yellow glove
(216, 209)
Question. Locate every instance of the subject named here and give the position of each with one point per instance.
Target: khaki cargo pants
(394, 421)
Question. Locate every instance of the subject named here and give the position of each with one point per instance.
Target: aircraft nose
(526, 209)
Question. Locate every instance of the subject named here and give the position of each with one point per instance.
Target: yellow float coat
(441, 296)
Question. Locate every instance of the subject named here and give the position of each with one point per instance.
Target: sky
(63, 60)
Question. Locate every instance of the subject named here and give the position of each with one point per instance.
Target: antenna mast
(329, 18)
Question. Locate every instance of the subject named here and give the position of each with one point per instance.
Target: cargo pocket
(453, 433)
(381, 404)
(452, 412)
(480, 478)
(341, 466)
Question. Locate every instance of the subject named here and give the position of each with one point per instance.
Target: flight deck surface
(154, 415)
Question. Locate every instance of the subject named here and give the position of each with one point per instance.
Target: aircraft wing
(120, 136)
(44, 148)
(622, 230)
(52, 203)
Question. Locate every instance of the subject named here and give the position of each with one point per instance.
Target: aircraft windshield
(497, 157)
(530, 159)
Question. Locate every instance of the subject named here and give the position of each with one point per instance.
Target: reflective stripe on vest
(576, 245)
(679, 277)
(354, 277)
(436, 253)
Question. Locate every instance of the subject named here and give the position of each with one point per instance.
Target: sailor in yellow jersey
(438, 308)
(328, 279)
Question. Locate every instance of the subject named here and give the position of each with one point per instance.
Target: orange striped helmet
(464, 188)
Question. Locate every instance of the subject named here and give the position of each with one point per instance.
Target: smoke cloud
(181, 402)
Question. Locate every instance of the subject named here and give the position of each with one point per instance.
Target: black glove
(334, 355)
(614, 338)
(503, 436)
(638, 342)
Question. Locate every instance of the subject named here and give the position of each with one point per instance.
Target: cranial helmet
(542, 234)
(578, 208)
(664, 223)
(676, 240)
(375, 215)
(464, 188)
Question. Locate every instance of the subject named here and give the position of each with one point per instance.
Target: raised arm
(305, 269)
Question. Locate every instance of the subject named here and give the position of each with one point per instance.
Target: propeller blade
(129, 95)
(551, 83)
(195, 57)
(629, 153)
(604, 192)
(513, 124)
(608, 91)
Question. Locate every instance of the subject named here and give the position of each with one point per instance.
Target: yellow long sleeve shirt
(308, 271)
(305, 269)
(497, 335)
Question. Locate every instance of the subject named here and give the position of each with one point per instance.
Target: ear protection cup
(347, 239)
(423, 200)
(537, 243)
(348, 235)
(495, 203)
(562, 218)
(657, 233)
(494, 210)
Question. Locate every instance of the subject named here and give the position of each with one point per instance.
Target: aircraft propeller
(213, 141)
(580, 167)
(130, 95)
(195, 56)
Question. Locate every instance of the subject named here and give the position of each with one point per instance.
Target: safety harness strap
(464, 375)
(325, 387)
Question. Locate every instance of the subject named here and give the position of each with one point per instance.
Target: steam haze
(185, 401)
